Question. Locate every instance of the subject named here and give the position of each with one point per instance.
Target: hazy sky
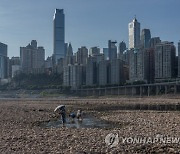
(87, 22)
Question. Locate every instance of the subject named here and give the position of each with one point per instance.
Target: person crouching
(72, 116)
(79, 115)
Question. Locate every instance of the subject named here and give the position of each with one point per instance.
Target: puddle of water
(87, 122)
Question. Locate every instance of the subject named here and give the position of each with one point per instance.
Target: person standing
(63, 115)
(62, 112)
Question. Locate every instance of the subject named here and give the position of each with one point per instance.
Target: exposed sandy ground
(21, 134)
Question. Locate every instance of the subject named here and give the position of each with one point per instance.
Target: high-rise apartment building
(145, 38)
(91, 71)
(69, 58)
(122, 48)
(69, 50)
(154, 41)
(165, 53)
(138, 65)
(73, 76)
(38, 58)
(76, 76)
(103, 72)
(134, 34)
(59, 35)
(142, 63)
(106, 54)
(125, 56)
(32, 58)
(66, 75)
(14, 65)
(179, 59)
(112, 50)
(81, 55)
(151, 58)
(3, 61)
(116, 69)
(133, 64)
(94, 51)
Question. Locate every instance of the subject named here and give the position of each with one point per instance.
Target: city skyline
(18, 20)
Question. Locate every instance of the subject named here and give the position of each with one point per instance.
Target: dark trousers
(63, 118)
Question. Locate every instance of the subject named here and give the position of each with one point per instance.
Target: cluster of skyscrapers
(148, 59)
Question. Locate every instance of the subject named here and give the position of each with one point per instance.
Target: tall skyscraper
(103, 72)
(134, 34)
(81, 55)
(133, 64)
(112, 50)
(70, 58)
(65, 48)
(138, 65)
(151, 58)
(145, 38)
(142, 64)
(165, 53)
(91, 71)
(3, 60)
(122, 48)
(116, 67)
(59, 35)
(69, 50)
(105, 52)
(179, 59)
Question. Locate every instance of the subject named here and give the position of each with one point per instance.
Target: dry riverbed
(21, 132)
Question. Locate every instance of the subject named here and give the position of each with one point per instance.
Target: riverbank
(21, 134)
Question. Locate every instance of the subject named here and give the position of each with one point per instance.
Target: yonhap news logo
(112, 140)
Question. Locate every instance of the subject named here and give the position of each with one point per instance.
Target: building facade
(14, 62)
(82, 55)
(103, 72)
(76, 76)
(116, 69)
(32, 58)
(126, 56)
(112, 50)
(179, 59)
(106, 53)
(151, 58)
(122, 48)
(134, 34)
(69, 58)
(3, 61)
(145, 38)
(165, 54)
(66, 75)
(94, 51)
(73, 75)
(69, 50)
(142, 63)
(91, 72)
(133, 65)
